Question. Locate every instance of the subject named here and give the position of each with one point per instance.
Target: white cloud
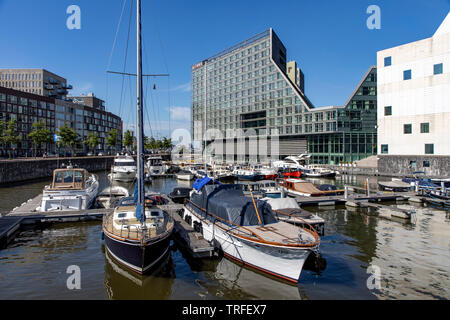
(186, 87)
(180, 113)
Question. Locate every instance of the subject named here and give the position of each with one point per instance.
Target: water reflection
(232, 281)
(122, 284)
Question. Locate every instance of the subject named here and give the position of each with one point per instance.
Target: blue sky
(329, 40)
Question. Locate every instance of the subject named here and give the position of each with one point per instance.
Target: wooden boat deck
(281, 232)
(135, 234)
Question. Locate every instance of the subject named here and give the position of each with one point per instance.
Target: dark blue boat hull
(135, 256)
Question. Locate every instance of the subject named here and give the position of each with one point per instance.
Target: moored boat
(123, 169)
(288, 210)
(297, 187)
(184, 175)
(71, 189)
(178, 195)
(247, 231)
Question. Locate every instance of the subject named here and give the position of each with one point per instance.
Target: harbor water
(367, 257)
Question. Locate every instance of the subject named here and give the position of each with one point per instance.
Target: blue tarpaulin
(200, 183)
(139, 214)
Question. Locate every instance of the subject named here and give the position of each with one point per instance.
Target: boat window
(59, 177)
(68, 176)
(78, 176)
(121, 215)
(154, 213)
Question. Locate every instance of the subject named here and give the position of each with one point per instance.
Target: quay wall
(400, 166)
(21, 170)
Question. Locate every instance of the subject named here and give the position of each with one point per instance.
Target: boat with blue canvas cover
(247, 231)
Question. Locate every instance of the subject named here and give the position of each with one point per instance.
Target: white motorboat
(247, 231)
(184, 175)
(288, 210)
(72, 189)
(301, 162)
(156, 167)
(109, 197)
(124, 168)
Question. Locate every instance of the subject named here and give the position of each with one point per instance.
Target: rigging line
(112, 49)
(157, 124)
(117, 32)
(167, 69)
(145, 108)
(126, 57)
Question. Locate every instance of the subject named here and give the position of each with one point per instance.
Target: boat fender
(102, 236)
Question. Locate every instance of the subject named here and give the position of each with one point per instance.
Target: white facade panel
(425, 98)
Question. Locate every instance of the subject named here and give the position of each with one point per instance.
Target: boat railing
(305, 223)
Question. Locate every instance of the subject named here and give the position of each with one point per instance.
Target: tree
(167, 143)
(68, 137)
(10, 135)
(92, 141)
(112, 140)
(40, 134)
(2, 134)
(128, 139)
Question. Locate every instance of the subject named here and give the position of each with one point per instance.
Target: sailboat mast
(140, 115)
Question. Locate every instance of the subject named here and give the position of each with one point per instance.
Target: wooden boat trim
(259, 239)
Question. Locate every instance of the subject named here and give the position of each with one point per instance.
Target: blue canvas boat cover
(200, 183)
(228, 202)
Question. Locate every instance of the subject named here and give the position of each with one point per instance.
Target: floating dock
(26, 214)
(186, 236)
(341, 199)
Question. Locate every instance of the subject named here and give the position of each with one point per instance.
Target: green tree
(92, 141)
(128, 139)
(167, 143)
(112, 140)
(40, 134)
(10, 135)
(68, 137)
(2, 134)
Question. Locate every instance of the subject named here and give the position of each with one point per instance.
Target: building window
(387, 61)
(384, 148)
(429, 148)
(426, 164)
(407, 74)
(424, 127)
(438, 68)
(388, 111)
(407, 128)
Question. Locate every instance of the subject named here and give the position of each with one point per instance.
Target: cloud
(180, 113)
(186, 87)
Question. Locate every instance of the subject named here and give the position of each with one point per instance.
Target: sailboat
(137, 234)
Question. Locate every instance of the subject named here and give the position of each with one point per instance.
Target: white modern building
(414, 105)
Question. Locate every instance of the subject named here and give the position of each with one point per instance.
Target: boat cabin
(69, 179)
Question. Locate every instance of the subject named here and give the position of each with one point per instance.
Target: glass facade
(246, 87)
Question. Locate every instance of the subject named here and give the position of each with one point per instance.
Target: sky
(329, 40)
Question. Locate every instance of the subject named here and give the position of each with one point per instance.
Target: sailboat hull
(135, 256)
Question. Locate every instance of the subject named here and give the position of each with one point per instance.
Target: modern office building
(37, 81)
(251, 88)
(414, 106)
(28, 108)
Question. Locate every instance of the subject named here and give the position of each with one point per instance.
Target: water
(413, 259)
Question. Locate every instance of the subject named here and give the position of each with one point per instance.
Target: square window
(388, 111)
(384, 148)
(424, 127)
(387, 61)
(407, 74)
(426, 164)
(429, 148)
(407, 128)
(438, 68)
